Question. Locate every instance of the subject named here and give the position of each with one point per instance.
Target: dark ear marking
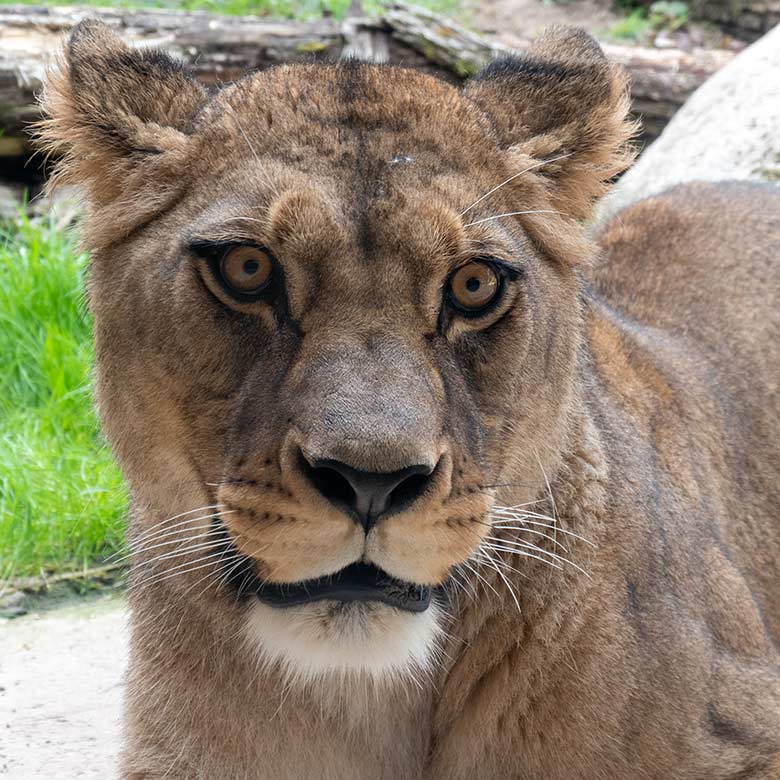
(520, 67)
(146, 85)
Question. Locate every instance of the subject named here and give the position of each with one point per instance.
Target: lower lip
(358, 582)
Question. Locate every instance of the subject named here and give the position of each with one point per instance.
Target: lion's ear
(111, 110)
(561, 101)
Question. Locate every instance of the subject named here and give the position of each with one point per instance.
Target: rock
(13, 604)
(746, 18)
(728, 129)
(63, 206)
(11, 201)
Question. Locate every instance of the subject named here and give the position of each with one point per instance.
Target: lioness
(424, 483)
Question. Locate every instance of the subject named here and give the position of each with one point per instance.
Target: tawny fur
(628, 387)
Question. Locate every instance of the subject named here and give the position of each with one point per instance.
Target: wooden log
(748, 19)
(745, 19)
(662, 79)
(221, 48)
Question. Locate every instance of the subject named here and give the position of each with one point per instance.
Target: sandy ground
(61, 690)
(515, 21)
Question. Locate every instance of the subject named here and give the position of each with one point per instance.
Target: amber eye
(474, 286)
(246, 269)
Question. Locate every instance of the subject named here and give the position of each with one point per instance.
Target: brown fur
(638, 399)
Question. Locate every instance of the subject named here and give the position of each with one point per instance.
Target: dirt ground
(60, 692)
(515, 21)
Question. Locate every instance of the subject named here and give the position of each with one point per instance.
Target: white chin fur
(357, 640)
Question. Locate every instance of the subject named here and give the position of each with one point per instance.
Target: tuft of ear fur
(114, 115)
(562, 101)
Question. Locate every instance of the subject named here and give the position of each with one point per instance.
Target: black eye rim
(504, 272)
(215, 252)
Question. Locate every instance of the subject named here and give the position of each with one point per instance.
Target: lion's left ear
(561, 101)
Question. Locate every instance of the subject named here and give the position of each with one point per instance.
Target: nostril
(365, 494)
(328, 482)
(408, 491)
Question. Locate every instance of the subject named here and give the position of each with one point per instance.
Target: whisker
(531, 531)
(537, 164)
(224, 578)
(504, 565)
(544, 525)
(467, 583)
(167, 524)
(529, 546)
(173, 530)
(246, 138)
(259, 222)
(212, 545)
(511, 214)
(216, 577)
(136, 550)
(176, 571)
(180, 533)
(495, 567)
(480, 577)
(156, 526)
(177, 540)
(523, 552)
(459, 586)
(549, 489)
(513, 484)
(508, 517)
(515, 510)
(502, 515)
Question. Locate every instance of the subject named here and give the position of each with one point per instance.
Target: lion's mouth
(357, 582)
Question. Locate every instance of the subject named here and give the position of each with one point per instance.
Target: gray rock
(13, 604)
(728, 129)
(11, 201)
(63, 206)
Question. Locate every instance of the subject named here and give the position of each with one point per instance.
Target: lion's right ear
(564, 106)
(114, 115)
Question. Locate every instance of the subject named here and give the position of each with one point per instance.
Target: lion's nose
(367, 495)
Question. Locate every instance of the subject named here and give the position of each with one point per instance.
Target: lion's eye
(474, 286)
(246, 269)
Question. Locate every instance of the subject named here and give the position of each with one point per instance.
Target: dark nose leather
(367, 495)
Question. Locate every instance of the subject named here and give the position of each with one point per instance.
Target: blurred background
(62, 501)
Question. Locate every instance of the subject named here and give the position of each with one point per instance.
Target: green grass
(62, 501)
(633, 27)
(641, 23)
(285, 9)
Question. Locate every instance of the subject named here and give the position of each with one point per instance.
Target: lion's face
(311, 321)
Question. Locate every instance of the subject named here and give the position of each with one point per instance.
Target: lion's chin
(357, 640)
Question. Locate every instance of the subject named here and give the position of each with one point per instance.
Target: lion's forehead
(344, 115)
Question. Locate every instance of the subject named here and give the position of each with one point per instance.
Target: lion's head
(337, 308)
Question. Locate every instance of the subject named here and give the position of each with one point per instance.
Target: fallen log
(220, 48)
(748, 19)
(662, 79)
